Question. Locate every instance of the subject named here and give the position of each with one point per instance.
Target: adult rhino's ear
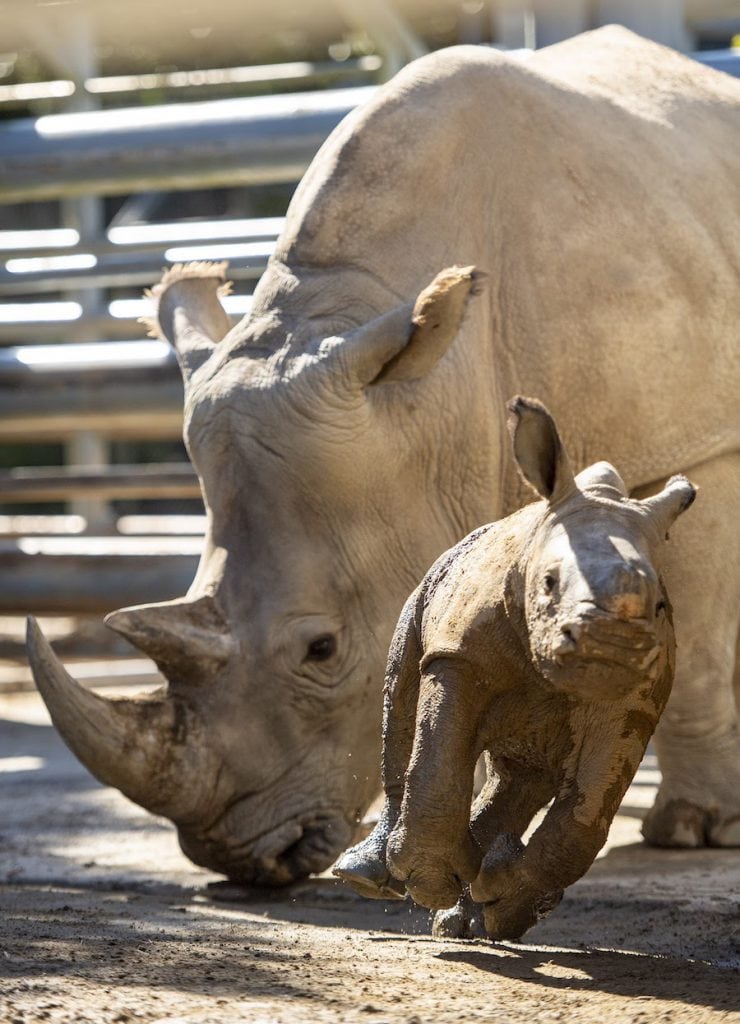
(409, 341)
(538, 450)
(188, 312)
(666, 506)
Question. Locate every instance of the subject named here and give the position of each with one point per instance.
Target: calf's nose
(632, 595)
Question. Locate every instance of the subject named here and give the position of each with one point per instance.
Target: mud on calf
(544, 641)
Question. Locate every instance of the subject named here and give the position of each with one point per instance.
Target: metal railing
(125, 387)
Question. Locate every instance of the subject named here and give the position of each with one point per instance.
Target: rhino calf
(543, 641)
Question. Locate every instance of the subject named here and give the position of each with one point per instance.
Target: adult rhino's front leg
(431, 848)
(364, 866)
(698, 737)
(520, 884)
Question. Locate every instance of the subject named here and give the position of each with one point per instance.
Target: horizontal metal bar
(218, 142)
(64, 320)
(104, 670)
(116, 271)
(156, 418)
(721, 60)
(41, 365)
(134, 526)
(134, 391)
(38, 582)
(307, 73)
(139, 237)
(27, 525)
(59, 332)
(54, 483)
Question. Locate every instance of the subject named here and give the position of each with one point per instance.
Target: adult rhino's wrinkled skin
(545, 642)
(351, 428)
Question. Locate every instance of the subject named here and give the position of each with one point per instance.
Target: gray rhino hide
(345, 437)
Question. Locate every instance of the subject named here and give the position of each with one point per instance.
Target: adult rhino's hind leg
(698, 739)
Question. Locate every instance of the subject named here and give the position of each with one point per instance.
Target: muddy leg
(521, 884)
(431, 847)
(504, 808)
(364, 866)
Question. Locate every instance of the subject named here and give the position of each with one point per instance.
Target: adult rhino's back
(596, 182)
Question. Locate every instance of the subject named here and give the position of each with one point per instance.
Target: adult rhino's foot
(682, 824)
(463, 921)
(363, 866)
(698, 803)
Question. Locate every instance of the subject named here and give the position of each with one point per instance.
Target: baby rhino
(543, 641)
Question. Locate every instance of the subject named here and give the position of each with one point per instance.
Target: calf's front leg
(501, 814)
(518, 884)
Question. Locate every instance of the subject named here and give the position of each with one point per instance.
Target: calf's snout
(624, 591)
(633, 594)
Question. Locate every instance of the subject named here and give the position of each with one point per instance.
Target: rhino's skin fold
(351, 428)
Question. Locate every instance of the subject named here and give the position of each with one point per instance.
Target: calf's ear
(409, 341)
(538, 450)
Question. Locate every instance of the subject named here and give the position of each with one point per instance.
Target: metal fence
(74, 367)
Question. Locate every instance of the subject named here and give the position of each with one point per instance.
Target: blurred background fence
(137, 135)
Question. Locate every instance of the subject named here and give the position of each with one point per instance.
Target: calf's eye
(659, 607)
(321, 648)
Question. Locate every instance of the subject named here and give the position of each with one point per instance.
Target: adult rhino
(351, 428)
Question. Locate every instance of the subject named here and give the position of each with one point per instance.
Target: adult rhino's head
(595, 606)
(264, 745)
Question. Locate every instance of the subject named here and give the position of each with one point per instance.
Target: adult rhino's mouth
(292, 850)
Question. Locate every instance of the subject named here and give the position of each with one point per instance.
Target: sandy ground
(103, 920)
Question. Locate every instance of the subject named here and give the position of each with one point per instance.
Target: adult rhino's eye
(550, 582)
(660, 606)
(322, 648)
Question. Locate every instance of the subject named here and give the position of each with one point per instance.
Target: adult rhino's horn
(188, 311)
(140, 746)
(187, 637)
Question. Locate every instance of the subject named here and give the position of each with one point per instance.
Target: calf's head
(594, 603)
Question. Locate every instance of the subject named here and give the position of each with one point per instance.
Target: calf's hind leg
(364, 866)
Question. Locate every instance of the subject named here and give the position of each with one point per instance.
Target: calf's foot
(463, 921)
(363, 866)
(511, 916)
(433, 867)
(512, 900)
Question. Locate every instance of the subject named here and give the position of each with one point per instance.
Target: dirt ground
(103, 920)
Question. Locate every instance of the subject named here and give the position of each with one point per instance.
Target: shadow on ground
(104, 920)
